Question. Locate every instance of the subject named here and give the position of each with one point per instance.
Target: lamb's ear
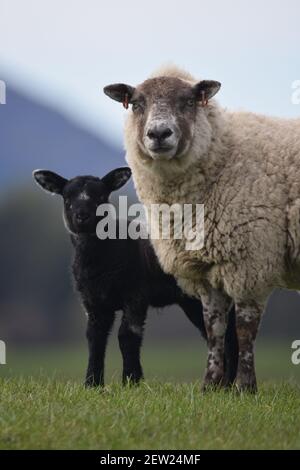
(206, 89)
(115, 179)
(49, 181)
(119, 92)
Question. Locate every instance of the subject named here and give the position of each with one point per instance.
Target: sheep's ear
(119, 92)
(206, 89)
(49, 181)
(115, 179)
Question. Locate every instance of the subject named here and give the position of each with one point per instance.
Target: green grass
(45, 413)
(43, 404)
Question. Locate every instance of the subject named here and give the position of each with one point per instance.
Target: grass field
(43, 404)
(46, 414)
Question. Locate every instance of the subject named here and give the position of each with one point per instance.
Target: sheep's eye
(190, 102)
(136, 106)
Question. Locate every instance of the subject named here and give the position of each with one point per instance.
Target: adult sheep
(245, 168)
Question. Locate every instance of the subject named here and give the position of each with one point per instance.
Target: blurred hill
(37, 302)
(33, 135)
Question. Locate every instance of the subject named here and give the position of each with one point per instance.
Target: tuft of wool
(172, 70)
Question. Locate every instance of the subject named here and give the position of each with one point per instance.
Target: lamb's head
(164, 113)
(82, 195)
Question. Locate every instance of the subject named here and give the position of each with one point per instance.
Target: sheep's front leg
(130, 341)
(194, 311)
(215, 312)
(98, 329)
(247, 323)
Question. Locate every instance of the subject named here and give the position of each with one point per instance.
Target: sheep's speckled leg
(247, 323)
(215, 312)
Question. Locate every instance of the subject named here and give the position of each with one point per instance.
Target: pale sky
(65, 51)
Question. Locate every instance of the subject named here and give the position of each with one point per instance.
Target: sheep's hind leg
(130, 341)
(231, 349)
(247, 323)
(194, 311)
(215, 312)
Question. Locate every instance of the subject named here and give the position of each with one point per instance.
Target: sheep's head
(82, 195)
(164, 110)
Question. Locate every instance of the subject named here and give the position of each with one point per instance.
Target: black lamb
(119, 274)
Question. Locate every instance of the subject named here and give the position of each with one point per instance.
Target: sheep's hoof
(212, 383)
(247, 387)
(229, 386)
(207, 388)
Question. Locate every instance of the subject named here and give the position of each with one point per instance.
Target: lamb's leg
(130, 341)
(215, 312)
(247, 323)
(98, 329)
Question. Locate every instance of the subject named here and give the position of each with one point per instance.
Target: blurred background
(55, 58)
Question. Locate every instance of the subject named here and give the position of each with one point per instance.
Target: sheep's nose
(82, 216)
(159, 133)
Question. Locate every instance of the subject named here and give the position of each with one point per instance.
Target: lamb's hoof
(92, 383)
(131, 380)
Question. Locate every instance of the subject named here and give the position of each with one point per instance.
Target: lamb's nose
(82, 216)
(159, 133)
